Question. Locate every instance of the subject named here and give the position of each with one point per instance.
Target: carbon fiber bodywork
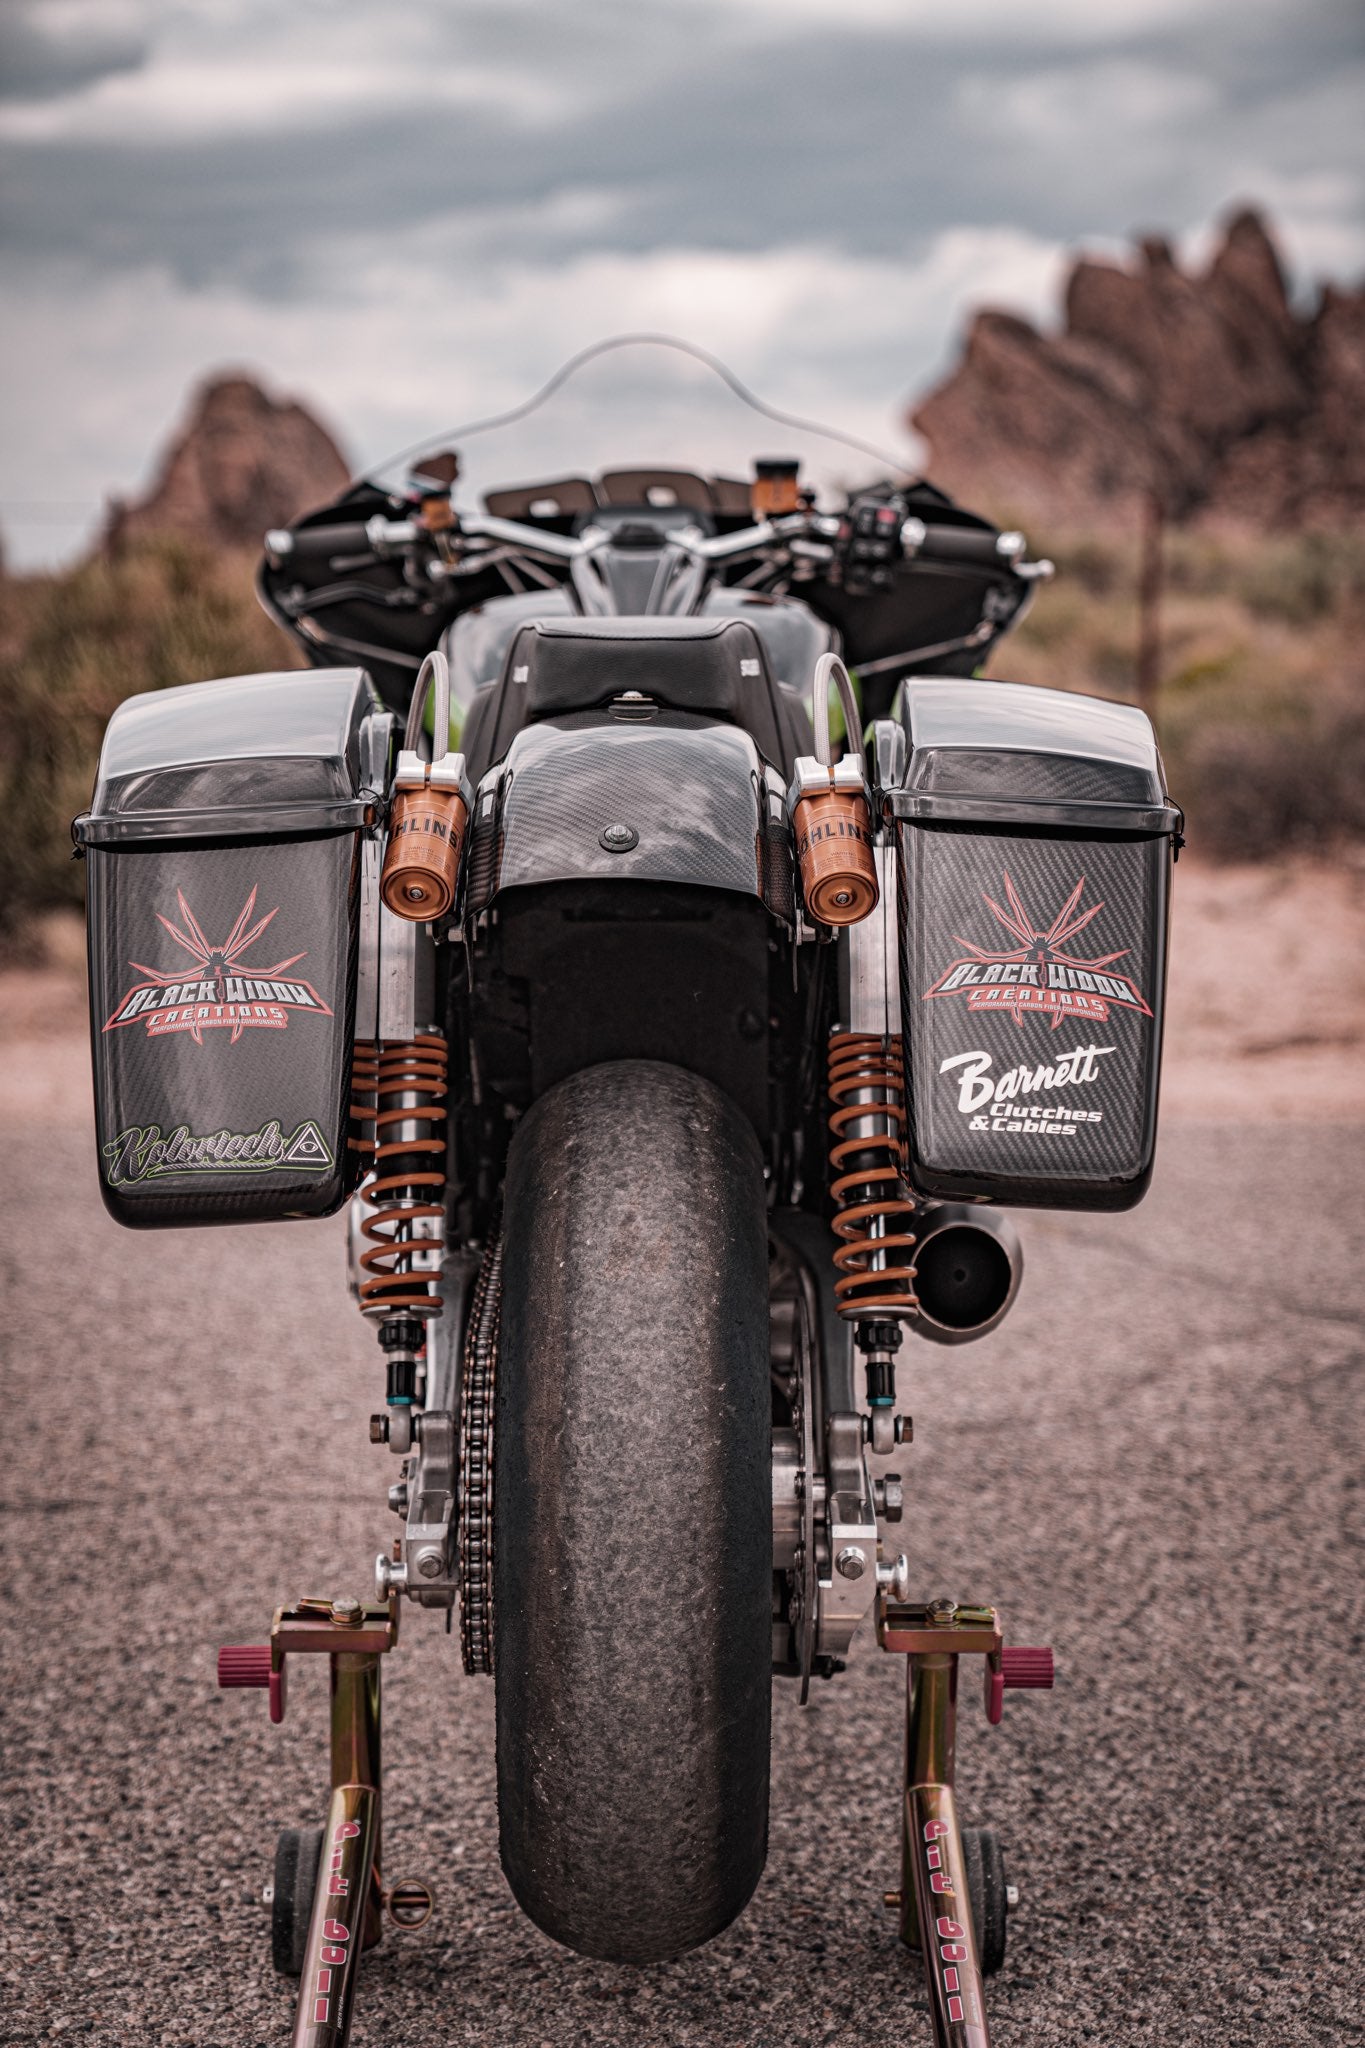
(1076, 1128)
(696, 803)
(221, 1088)
(579, 972)
(1034, 854)
(223, 860)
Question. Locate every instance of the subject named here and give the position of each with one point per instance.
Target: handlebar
(360, 536)
(961, 544)
(917, 541)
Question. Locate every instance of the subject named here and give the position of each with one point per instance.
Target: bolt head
(905, 1429)
(850, 1563)
(429, 1564)
(618, 838)
(348, 1612)
(894, 1495)
(379, 1429)
(1011, 1896)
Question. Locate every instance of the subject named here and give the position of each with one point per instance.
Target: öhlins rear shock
(831, 813)
(430, 810)
(399, 1105)
(873, 1205)
(871, 1200)
(398, 1111)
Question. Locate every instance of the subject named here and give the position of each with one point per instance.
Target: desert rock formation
(243, 462)
(1208, 388)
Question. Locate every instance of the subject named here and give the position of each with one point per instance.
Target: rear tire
(633, 1514)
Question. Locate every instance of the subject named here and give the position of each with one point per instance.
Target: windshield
(636, 420)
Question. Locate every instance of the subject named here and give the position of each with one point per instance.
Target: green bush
(72, 647)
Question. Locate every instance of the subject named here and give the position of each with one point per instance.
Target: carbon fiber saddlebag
(223, 851)
(1035, 843)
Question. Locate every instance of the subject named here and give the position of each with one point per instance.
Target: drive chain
(477, 1389)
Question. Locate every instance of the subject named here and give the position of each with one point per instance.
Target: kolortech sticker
(142, 1154)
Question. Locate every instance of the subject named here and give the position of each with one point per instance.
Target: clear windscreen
(633, 409)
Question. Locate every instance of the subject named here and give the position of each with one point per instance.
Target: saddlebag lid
(1014, 753)
(240, 757)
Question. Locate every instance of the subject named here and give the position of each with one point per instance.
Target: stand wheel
(986, 1887)
(298, 1853)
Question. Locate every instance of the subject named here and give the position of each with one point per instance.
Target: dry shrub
(72, 647)
(1262, 704)
(1293, 783)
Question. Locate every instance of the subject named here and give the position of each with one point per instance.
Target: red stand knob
(243, 1665)
(1021, 1670)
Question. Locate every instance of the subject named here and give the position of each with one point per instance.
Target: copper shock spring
(871, 1199)
(398, 1101)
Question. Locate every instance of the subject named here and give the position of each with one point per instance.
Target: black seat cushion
(713, 666)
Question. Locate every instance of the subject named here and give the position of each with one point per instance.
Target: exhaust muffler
(968, 1265)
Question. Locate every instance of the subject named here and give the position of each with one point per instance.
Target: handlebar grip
(359, 536)
(962, 544)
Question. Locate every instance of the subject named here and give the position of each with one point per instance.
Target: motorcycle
(678, 1042)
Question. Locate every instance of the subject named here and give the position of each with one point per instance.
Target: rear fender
(594, 796)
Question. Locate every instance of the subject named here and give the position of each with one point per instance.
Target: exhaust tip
(968, 1265)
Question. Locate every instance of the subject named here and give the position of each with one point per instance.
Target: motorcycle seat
(715, 667)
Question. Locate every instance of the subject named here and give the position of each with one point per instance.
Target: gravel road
(1155, 1465)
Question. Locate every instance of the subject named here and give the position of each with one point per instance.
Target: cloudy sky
(409, 213)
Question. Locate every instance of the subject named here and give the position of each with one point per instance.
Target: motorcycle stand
(934, 1900)
(348, 1899)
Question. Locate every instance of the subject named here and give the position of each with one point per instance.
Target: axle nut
(850, 1563)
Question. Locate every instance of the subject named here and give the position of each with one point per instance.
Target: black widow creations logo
(224, 993)
(1037, 977)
